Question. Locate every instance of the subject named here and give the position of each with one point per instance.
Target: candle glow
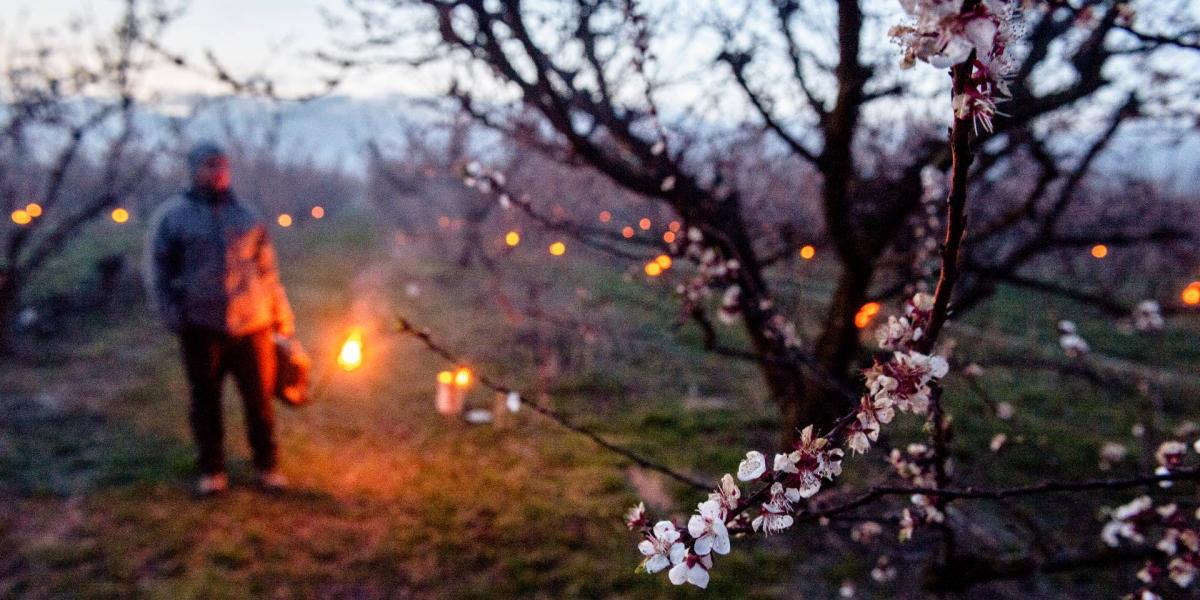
(866, 314)
(351, 355)
(1191, 293)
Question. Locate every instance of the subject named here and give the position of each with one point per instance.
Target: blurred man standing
(213, 277)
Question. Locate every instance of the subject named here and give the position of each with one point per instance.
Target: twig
(405, 327)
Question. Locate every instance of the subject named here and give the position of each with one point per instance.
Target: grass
(392, 501)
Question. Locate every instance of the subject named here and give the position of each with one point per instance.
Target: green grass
(393, 501)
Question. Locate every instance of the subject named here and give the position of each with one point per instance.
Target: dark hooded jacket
(212, 265)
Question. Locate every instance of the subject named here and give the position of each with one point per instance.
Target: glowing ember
(653, 270)
(663, 261)
(445, 377)
(669, 237)
(866, 314)
(605, 216)
(627, 232)
(1099, 251)
(807, 252)
(284, 220)
(462, 377)
(120, 215)
(1191, 293)
(21, 217)
(558, 248)
(512, 238)
(34, 209)
(351, 356)
(317, 212)
(644, 224)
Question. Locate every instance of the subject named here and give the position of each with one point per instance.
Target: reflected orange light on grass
(351, 355)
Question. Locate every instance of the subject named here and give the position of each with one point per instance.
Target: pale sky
(249, 36)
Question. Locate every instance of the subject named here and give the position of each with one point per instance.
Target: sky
(273, 37)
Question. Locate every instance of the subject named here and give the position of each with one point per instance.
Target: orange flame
(866, 314)
(1191, 293)
(351, 356)
(462, 377)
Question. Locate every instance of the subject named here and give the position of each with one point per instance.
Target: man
(213, 277)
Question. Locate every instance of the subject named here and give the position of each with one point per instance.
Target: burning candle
(351, 355)
(451, 391)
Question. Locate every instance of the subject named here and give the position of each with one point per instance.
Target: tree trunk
(10, 297)
(835, 349)
(800, 399)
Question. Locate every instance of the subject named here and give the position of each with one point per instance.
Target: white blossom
(662, 549)
(708, 529)
(691, 569)
(752, 467)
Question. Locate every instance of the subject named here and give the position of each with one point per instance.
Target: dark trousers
(207, 357)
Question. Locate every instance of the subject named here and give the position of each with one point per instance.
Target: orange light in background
(866, 314)
(21, 217)
(34, 209)
(512, 238)
(807, 252)
(351, 355)
(653, 270)
(674, 226)
(1099, 251)
(443, 221)
(445, 377)
(669, 237)
(605, 216)
(644, 224)
(284, 220)
(317, 212)
(627, 232)
(558, 248)
(1191, 293)
(663, 261)
(462, 377)
(120, 215)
